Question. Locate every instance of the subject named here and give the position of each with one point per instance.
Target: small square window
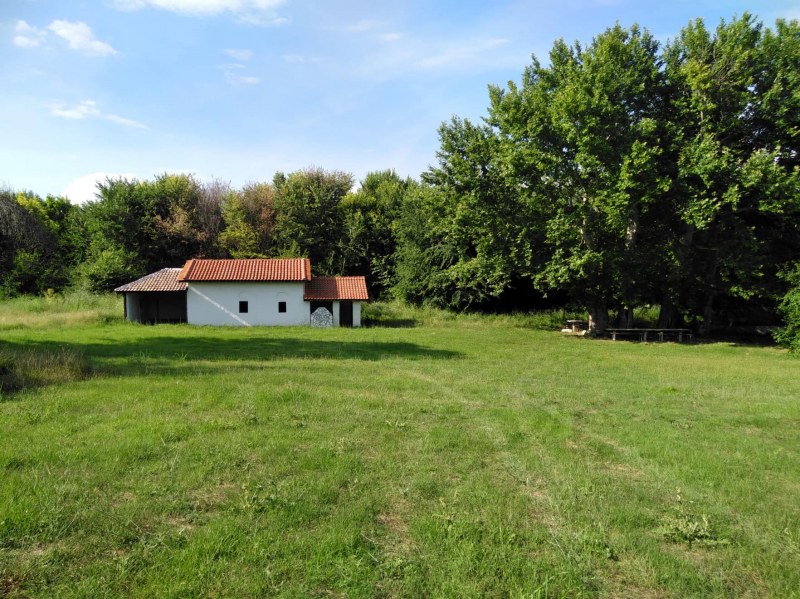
(243, 307)
(281, 307)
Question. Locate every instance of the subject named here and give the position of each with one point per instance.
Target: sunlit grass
(70, 308)
(440, 455)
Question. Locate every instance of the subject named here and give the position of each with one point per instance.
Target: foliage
(309, 221)
(684, 526)
(155, 221)
(789, 308)
(368, 245)
(249, 217)
(109, 267)
(29, 258)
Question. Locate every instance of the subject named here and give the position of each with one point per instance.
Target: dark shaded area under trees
(622, 174)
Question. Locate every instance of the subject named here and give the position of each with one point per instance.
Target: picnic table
(661, 333)
(576, 326)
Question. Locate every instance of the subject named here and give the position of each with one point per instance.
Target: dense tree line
(623, 173)
(135, 227)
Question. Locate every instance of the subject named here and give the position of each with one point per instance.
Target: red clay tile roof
(336, 288)
(250, 269)
(165, 279)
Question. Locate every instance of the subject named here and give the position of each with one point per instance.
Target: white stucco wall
(218, 304)
(356, 314)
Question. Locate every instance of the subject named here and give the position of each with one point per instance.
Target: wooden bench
(643, 334)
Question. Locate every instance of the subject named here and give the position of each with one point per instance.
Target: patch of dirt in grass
(625, 470)
(624, 590)
(9, 585)
(181, 524)
(395, 522)
(208, 499)
(123, 498)
(622, 582)
(40, 550)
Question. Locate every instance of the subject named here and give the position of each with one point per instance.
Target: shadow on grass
(165, 354)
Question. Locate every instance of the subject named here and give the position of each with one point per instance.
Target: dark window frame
(281, 307)
(244, 306)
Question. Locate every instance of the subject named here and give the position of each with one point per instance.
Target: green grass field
(461, 457)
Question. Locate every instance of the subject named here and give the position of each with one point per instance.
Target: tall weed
(22, 369)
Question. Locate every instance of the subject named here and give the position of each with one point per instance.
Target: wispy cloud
(28, 36)
(237, 79)
(390, 60)
(233, 75)
(459, 53)
(362, 26)
(239, 54)
(251, 12)
(300, 59)
(259, 20)
(87, 109)
(390, 37)
(79, 36)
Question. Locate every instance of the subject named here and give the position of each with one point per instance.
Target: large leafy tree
(309, 221)
(368, 244)
(465, 236)
(623, 175)
(249, 217)
(736, 202)
(153, 223)
(27, 245)
(588, 147)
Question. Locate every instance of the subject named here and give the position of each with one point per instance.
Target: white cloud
(28, 36)
(300, 59)
(241, 79)
(460, 53)
(362, 26)
(232, 76)
(250, 12)
(238, 54)
(88, 109)
(80, 37)
(202, 7)
(262, 20)
(123, 121)
(390, 37)
(83, 189)
(387, 61)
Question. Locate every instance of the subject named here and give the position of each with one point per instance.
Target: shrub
(789, 308)
(109, 268)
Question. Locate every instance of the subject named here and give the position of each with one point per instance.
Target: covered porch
(155, 298)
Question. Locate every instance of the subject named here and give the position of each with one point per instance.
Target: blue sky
(238, 89)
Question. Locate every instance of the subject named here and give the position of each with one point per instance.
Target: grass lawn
(460, 457)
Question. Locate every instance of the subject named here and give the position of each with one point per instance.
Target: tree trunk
(598, 319)
(625, 318)
(708, 316)
(668, 316)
